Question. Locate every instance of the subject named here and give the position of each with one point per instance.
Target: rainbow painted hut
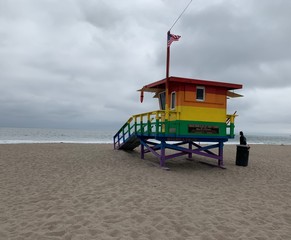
(192, 119)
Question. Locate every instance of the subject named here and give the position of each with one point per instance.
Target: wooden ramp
(131, 143)
(141, 130)
(127, 136)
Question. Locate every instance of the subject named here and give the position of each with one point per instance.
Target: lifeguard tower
(192, 119)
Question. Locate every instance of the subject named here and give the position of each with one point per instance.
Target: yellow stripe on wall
(188, 113)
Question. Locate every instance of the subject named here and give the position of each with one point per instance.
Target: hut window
(173, 100)
(200, 93)
(162, 100)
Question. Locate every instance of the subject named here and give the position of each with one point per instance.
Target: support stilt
(142, 151)
(159, 150)
(163, 154)
(190, 148)
(220, 154)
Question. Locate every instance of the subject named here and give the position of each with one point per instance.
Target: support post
(141, 150)
(163, 153)
(190, 148)
(220, 154)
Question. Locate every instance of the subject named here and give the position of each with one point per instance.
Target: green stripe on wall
(192, 128)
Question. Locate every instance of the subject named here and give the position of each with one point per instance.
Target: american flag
(172, 38)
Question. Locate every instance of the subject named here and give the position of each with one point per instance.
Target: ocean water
(263, 139)
(37, 135)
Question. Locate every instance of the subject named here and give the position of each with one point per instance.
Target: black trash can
(242, 155)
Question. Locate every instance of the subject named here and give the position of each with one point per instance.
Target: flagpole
(167, 107)
(168, 45)
(169, 41)
(168, 57)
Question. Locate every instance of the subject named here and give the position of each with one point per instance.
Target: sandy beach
(88, 191)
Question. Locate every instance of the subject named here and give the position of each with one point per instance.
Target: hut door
(173, 115)
(173, 125)
(162, 100)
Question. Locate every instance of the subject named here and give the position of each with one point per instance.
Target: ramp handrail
(230, 124)
(148, 124)
(153, 124)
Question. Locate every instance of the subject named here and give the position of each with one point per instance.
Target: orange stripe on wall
(209, 89)
(211, 100)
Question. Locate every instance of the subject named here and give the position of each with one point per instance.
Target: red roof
(161, 83)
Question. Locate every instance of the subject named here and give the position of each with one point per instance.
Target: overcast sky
(78, 63)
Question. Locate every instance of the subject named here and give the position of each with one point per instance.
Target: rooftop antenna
(180, 15)
(170, 39)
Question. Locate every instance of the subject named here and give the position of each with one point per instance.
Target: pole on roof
(167, 98)
(171, 38)
(168, 57)
(180, 15)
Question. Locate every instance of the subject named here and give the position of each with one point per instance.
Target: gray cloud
(237, 43)
(78, 64)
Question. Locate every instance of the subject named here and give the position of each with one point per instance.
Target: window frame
(162, 100)
(203, 97)
(173, 103)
